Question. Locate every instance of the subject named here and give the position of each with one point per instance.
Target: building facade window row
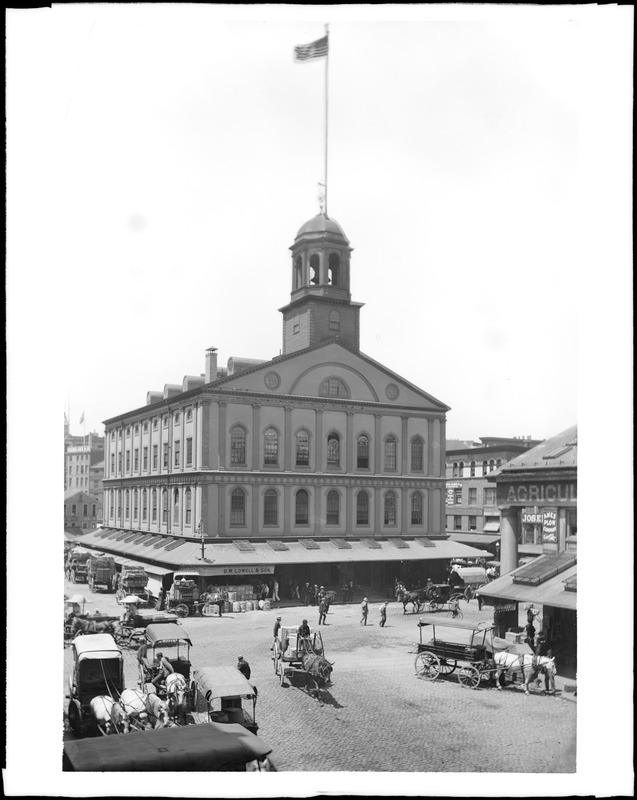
(474, 469)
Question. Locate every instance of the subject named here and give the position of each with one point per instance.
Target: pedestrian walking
(364, 611)
(383, 614)
(315, 595)
(345, 589)
(277, 628)
(296, 591)
(275, 592)
(467, 594)
(307, 594)
(530, 635)
(322, 611)
(265, 591)
(243, 667)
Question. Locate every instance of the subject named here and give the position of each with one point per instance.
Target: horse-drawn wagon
(183, 597)
(434, 597)
(172, 641)
(132, 581)
(223, 690)
(131, 630)
(98, 670)
(100, 570)
(75, 565)
(300, 655)
(194, 748)
(477, 654)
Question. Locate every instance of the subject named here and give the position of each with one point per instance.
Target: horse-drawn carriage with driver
(223, 690)
(302, 655)
(164, 667)
(433, 597)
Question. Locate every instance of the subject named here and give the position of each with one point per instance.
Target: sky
(187, 153)
(160, 160)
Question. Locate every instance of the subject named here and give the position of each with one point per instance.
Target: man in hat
(277, 628)
(162, 669)
(383, 614)
(364, 611)
(243, 667)
(322, 610)
(303, 631)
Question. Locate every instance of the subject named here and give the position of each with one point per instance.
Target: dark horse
(81, 626)
(416, 598)
(318, 669)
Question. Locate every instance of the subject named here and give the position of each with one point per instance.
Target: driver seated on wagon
(158, 670)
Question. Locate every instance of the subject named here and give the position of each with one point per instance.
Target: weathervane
(321, 197)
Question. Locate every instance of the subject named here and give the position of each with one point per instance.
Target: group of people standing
(266, 590)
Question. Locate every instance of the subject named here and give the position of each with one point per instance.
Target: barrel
(242, 603)
(236, 607)
(266, 605)
(255, 605)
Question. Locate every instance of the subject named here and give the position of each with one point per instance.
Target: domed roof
(321, 224)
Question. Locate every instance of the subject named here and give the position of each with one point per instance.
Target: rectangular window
(189, 452)
(473, 496)
(112, 463)
(74, 509)
(136, 459)
(119, 464)
(177, 453)
(457, 497)
(457, 523)
(296, 324)
(473, 523)
(128, 461)
(94, 511)
(489, 496)
(155, 456)
(85, 510)
(270, 508)
(332, 508)
(145, 460)
(165, 456)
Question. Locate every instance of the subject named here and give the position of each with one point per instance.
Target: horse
(416, 598)
(133, 701)
(176, 689)
(109, 716)
(82, 626)
(158, 712)
(318, 668)
(528, 664)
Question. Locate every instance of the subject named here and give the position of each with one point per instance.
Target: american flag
(317, 49)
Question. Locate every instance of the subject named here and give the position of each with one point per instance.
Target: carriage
(434, 597)
(223, 689)
(75, 566)
(100, 570)
(195, 748)
(98, 669)
(183, 598)
(469, 651)
(295, 655)
(132, 581)
(131, 631)
(170, 639)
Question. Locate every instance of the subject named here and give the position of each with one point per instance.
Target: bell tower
(320, 304)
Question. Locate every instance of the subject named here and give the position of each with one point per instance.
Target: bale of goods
(266, 605)
(236, 607)
(215, 610)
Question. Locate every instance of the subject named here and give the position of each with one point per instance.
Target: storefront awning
(480, 539)
(169, 553)
(552, 592)
(492, 527)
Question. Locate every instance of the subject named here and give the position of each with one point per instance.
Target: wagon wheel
(447, 666)
(458, 614)
(433, 605)
(182, 610)
(427, 666)
(469, 677)
(75, 717)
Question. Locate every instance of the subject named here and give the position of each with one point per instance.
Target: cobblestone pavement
(377, 715)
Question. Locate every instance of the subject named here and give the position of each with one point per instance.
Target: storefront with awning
(366, 561)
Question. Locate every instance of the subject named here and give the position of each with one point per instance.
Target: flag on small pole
(82, 418)
(317, 49)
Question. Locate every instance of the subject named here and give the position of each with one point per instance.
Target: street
(377, 715)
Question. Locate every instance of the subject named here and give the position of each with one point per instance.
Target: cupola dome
(321, 224)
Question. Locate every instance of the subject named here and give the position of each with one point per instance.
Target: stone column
(509, 531)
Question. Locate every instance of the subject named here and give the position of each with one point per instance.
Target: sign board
(549, 525)
(501, 608)
(531, 518)
(563, 493)
(268, 569)
(450, 492)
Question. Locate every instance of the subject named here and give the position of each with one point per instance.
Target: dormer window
(333, 387)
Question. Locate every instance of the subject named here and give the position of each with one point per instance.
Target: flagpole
(327, 59)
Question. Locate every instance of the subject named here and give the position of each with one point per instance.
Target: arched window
(485, 467)
(188, 507)
(144, 505)
(416, 508)
(335, 321)
(271, 507)
(238, 507)
(238, 445)
(154, 505)
(334, 267)
(455, 469)
(362, 452)
(362, 508)
(271, 447)
(416, 454)
(315, 264)
(127, 504)
(461, 469)
(333, 507)
(390, 508)
(176, 506)
(390, 453)
(298, 272)
(333, 387)
(491, 465)
(498, 463)
(164, 505)
(472, 469)
(333, 451)
(302, 507)
(302, 449)
(135, 504)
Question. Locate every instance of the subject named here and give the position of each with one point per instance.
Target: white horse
(109, 715)
(529, 665)
(176, 690)
(133, 701)
(158, 710)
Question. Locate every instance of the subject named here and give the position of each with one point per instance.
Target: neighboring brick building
(82, 511)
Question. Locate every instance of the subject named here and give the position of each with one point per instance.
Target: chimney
(211, 364)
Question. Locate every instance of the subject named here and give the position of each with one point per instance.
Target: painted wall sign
(549, 525)
(531, 518)
(526, 493)
(501, 608)
(268, 569)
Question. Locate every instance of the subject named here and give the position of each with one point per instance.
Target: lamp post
(201, 531)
